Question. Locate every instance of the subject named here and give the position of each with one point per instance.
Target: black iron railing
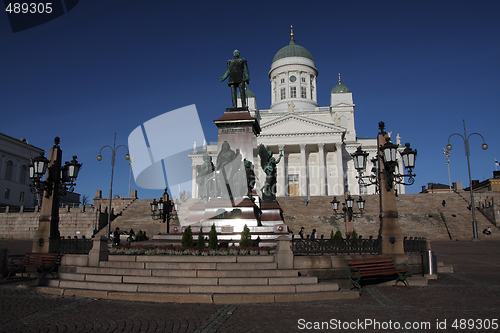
(336, 246)
(71, 245)
(415, 244)
(352, 246)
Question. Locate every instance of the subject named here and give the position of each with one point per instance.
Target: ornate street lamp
(385, 172)
(348, 206)
(162, 209)
(484, 146)
(61, 185)
(99, 158)
(388, 154)
(58, 181)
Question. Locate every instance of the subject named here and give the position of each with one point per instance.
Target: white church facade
(316, 141)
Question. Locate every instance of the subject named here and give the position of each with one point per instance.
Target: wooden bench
(373, 268)
(43, 262)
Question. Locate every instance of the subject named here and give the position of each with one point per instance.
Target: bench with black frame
(376, 267)
(43, 262)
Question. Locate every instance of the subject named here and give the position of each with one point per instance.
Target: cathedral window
(293, 92)
(303, 92)
(282, 93)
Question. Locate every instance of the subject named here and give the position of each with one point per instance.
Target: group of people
(141, 236)
(314, 234)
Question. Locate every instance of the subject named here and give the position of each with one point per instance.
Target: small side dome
(340, 88)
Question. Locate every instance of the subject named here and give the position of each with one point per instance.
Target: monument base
(265, 222)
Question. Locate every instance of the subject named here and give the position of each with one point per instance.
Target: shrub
(187, 237)
(338, 234)
(213, 243)
(200, 243)
(354, 237)
(246, 238)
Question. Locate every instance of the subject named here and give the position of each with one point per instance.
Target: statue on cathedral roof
(237, 71)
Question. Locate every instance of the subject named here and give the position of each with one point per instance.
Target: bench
(43, 262)
(373, 268)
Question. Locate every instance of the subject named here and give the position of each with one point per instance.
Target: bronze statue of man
(237, 70)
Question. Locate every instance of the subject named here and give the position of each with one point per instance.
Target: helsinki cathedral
(316, 141)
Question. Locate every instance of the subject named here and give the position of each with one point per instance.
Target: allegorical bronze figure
(237, 70)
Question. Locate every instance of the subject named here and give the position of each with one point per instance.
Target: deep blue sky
(109, 66)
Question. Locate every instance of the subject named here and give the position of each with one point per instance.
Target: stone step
(189, 265)
(193, 285)
(192, 259)
(198, 298)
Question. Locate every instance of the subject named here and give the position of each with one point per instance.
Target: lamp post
(99, 158)
(58, 181)
(484, 146)
(162, 209)
(348, 210)
(446, 152)
(385, 177)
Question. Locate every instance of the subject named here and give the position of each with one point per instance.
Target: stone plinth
(239, 129)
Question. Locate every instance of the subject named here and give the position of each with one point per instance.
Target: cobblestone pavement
(469, 298)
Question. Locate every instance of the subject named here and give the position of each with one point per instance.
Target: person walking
(301, 233)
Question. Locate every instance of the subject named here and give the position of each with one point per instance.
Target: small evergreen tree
(187, 237)
(338, 235)
(200, 243)
(246, 238)
(213, 243)
(354, 237)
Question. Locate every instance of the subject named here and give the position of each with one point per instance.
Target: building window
(303, 79)
(282, 93)
(293, 178)
(282, 81)
(21, 196)
(303, 92)
(8, 171)
(22, 178)
(293, 92)
(7, 193)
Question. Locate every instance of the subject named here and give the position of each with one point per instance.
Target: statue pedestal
(264, 221)
(239, 129)
(227, 207)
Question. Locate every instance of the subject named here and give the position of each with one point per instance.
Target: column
(322, 168)
(340, 169)
(194, 185)
(281, 173)
(303, 170)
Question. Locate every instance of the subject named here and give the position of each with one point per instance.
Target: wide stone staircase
(420, 215)
(191, 279)
(137, 216)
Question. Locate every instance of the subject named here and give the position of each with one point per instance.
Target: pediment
(290, 124)
(343, 105)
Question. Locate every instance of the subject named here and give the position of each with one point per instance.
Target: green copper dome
(248, 93)
(292, 50)
(340, 88)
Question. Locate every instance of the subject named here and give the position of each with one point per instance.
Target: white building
(316, 141)
(15, 155)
